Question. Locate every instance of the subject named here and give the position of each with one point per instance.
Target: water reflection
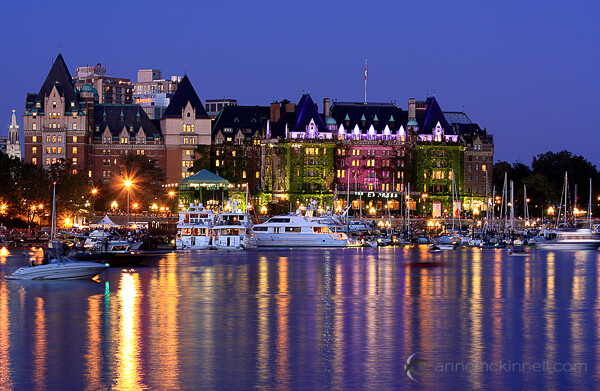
(128, 352)
(334, 319)
(40, 346)
(6, 381)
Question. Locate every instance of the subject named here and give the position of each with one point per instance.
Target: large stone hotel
(368, 154)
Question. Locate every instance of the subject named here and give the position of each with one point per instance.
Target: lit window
(233, 153)
(90, 173)
(34, 160)
(34, 139)
(244, 174)
(47, 161)
(74, 126)
(74, 139)
(257, 174)
(74, 149)
(217, 163)
(74, 161)
(54, 105)
(34, 126)
(34, 150)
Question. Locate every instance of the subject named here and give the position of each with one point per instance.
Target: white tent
(106, 222)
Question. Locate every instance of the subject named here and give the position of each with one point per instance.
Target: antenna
(59, 48)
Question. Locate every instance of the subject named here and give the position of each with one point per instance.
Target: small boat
(518, 251)
(64, 269)
(434, 248)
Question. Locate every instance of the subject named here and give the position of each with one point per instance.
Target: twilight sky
(527, 71)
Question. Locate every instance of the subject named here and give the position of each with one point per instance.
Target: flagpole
(365, 81)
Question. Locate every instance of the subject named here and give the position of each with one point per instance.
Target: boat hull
(290, 240)
(59, 271)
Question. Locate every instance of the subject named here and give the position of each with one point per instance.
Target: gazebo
(201, 187)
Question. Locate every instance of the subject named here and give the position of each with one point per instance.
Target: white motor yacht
(194, 228)
(233, 231)
(572, 239)
(297, 231)
(63, 269)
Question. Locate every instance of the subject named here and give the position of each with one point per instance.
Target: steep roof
(249, 119)
(457, 117)
(298, 120)
(116, 117)
(185, 93)
(379, 115)
(432, 117)
(60, 77)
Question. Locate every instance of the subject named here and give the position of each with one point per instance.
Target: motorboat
(572, 239)
(194, 229)
(101, 240)
(59, 269)
(518, 251)
(297, 231)
(233, 231)
(357, 227)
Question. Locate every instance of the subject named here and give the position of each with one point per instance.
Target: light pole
(127, 186)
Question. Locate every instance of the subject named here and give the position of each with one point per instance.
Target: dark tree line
(544, 181)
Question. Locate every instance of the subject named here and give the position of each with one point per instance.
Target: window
(47, 161)
(217, 163)
(33, 150)
(74, 149)
(244, 174)
(483, 167)
(233, 153)
(34, 126)
(34, 160)
(48, 138)
(74, 139)
(74, 126)
(59, 150)
(89, 173)
(34, 139)
(54, 105)
(74, 161)
(257, 175)
(47, 149)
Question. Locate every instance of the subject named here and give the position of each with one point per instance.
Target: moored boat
(297, 231)
(63, 269)
(194, 228)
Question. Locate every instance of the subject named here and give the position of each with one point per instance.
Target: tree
(579, 171)
(146, 176)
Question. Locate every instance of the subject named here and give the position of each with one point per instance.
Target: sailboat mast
(512, 207)
(53, 234)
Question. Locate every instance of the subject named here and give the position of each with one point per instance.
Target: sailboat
(58, 266)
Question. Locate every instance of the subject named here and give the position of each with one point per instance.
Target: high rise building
(111, 90)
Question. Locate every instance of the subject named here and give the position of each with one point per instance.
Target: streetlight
(127, 186)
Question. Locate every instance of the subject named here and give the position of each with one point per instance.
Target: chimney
(275, 112)
(326, 107)
(412, 103)
(290, 107)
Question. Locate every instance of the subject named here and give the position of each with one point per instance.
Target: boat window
(293, 229)
(278, 220)
(320, 230)
(261, 229)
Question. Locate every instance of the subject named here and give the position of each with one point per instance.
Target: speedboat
(194, 228)
(297, 231)
(64, 269)
(233, 231)
(518, 251)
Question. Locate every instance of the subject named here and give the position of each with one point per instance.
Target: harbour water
(310, 319)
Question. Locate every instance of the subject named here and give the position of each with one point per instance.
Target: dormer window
(54, 105)
(188, 114)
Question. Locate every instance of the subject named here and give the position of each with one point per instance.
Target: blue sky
(526, 71)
